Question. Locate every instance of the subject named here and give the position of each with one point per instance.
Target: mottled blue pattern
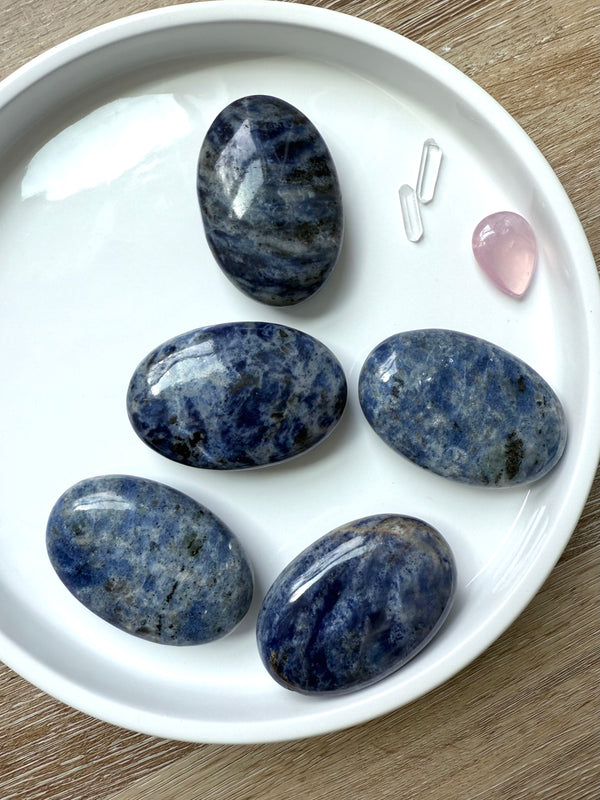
(356, 605)
(149, 560)
(237, 395)
(462, 408)
(270, 200)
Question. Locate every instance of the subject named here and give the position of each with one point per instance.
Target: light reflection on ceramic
(110, 141)
(513, 561)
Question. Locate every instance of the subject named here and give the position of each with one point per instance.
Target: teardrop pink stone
(506, 250)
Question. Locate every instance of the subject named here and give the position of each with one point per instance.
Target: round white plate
(103, 256)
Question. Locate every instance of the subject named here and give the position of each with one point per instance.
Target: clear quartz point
(429, 168)
(411, 214)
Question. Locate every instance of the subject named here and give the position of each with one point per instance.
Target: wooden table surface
(522, 721)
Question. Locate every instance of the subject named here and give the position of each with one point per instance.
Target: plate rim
(373, 35)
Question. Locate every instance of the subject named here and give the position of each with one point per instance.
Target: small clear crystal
(411, 214)
(429, 168)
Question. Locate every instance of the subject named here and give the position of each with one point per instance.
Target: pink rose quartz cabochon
(506, 250)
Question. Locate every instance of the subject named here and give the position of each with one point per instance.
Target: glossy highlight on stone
(356, 605)
(462, 407)
(505, 248)
(149, 560)
(237, 395)
(270, 200)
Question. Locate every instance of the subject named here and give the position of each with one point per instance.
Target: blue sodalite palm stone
(356, 605)
(237, 395)
(270, 200)
(149, 560)
(462, 407)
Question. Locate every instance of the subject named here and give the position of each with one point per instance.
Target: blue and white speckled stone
(270, 200)
(462, 407)
(149, 560)
(237, 395)
(356, 605)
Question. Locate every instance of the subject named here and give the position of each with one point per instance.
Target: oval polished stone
(237, 395)
(149, 559)
(270, 200)
(462, 407)
(356, 605)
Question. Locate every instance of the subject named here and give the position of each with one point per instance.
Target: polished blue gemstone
(356, 605)
(270, 200)
(237, 395)
(149, 560)
(462, 407)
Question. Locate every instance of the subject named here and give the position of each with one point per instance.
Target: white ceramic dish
(102, 256)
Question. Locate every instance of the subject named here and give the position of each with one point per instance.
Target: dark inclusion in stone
(462, 407)
(270, 200)
(356, 605)
(237, 395)
(149, 560)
